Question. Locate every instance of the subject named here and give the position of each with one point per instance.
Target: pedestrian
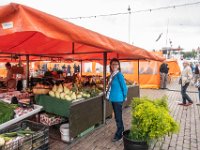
(196, 73)
(186, 76)
(164, 74)
(198, 86)
(116, 93)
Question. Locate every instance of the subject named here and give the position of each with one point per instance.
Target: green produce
(11, 134)
(7, 139)
(25, 132)
(86, 95)
(6, 111)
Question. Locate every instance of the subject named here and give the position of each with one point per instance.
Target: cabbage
(51, 93)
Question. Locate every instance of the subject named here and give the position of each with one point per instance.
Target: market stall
(16, 106)
(28, 32)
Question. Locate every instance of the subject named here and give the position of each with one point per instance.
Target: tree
(190, 54)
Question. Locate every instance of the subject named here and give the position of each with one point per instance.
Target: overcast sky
(182, 24)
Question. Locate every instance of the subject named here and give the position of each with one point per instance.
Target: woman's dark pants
(184, 94)
(117, 107)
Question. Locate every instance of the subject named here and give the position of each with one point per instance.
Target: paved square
(187, 139)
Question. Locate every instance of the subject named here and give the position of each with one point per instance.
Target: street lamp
(129, 24)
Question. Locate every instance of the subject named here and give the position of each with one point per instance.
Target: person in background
(164, 74)
(192, 67)
(78, 68)
(10, 81)
(186, 76)
(196, 73)
(116, 93)
(68, 70)
(198, 86)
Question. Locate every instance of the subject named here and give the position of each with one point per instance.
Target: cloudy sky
(180, 25)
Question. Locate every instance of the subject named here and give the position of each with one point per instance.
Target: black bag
(180, 81)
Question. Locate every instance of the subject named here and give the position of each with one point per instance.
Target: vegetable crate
(39, 140)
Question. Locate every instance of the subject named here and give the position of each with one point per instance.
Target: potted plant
(151, 120)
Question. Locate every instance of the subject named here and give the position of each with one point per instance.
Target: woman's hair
(114, 60)
(8, 64)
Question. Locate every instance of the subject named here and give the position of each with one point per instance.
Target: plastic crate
(37, 141)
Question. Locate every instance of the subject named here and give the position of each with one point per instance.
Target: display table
(36, 110)
(133, 91)
(53, 105)
(85, 114)
(82, 114)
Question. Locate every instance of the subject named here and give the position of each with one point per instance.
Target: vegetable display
(6, 111)
(11, 136)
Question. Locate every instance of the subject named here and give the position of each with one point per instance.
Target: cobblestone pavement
(187, 139)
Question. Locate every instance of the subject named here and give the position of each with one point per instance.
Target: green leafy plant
(151, 119)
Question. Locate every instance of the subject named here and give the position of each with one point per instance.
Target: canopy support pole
(72, 47)
(81, 67)
(20, 61)
(104, 86)
(139, 76)
(27, 71)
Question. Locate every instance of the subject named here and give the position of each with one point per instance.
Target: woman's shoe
(116, 139)
(190, 103)
(183, 104)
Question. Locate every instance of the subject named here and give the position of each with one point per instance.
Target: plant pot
(133, 145)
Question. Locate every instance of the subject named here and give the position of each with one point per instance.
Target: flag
(159, 37)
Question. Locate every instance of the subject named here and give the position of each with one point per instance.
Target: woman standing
(116, 93)
(186, 77)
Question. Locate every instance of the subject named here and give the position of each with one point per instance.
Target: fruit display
(41, 89)
(73, 93)
(63, 92)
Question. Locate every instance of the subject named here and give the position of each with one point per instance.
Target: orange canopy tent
(174, 69)
(149, 71)
(25, 30)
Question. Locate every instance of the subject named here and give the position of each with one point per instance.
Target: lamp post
(129, 24)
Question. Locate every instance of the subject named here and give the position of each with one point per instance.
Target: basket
(40, 91)
(37, 141)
